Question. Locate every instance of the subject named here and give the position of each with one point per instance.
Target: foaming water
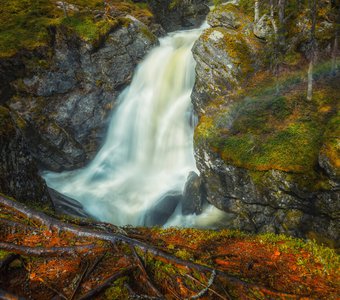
(148, 150)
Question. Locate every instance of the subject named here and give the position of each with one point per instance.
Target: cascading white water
(148, 150)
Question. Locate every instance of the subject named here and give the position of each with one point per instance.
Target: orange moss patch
(267, 265)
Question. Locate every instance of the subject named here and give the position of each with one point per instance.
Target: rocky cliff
(267, 156)
(62, 68)
(19, 176)
(66, 104)
(175, 14)
(65, 87)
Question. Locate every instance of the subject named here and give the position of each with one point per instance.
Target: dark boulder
(65, 205)
(192, 195)
(158, 214)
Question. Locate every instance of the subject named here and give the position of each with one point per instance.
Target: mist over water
(148, 149)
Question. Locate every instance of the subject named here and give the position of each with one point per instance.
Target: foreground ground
(45, 258)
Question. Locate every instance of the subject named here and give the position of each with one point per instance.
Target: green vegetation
(276, 131)
(25, 24)
(118, 289)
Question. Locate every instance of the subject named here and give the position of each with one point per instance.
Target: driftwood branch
(82, 276)
(41, 251)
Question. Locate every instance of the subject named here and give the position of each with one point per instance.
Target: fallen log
(42, 251)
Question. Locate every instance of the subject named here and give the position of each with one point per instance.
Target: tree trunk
(334, 55)
(256, 11)
(282, 28)
(64, 9)
(310, 81)
(312, 51)
(272, 18)
(336, 43)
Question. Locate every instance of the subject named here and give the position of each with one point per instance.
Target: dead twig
(206, 287)
(82, 276)
(95, 264)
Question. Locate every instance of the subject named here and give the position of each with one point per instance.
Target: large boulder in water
(158, 214)
(192, 195)
(65, 205)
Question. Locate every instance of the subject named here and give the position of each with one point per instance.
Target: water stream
(148, 149)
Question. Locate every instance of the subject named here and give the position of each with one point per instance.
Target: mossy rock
(263, 131)
(26, 24)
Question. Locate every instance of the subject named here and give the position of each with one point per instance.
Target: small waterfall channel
(148, 150)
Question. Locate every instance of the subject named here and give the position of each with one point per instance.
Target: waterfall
(148, 149)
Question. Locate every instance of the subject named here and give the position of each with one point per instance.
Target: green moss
(87, 28)
(183, 254)
(148, 34)
(118, 290)
(236, 48)
(263, 131)
(25, 24)
(3, 254)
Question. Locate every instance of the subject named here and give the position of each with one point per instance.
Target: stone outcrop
(175, 15)
(220, 68)
(65, 102)
(261, 160)
(19, 176)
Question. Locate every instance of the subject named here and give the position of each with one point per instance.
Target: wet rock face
(276, 205)
(193, 195)
(176, 15)
(257, 199)
(66, 104)
(19, 176)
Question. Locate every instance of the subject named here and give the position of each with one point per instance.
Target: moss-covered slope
(26, 24)
(267, 155)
